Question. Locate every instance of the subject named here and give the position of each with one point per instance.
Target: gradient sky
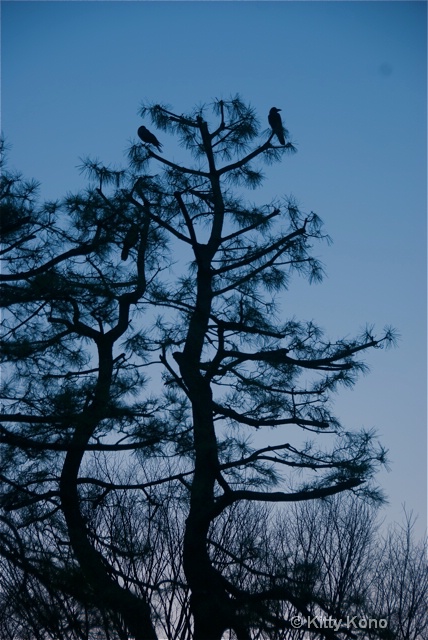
(351, 80)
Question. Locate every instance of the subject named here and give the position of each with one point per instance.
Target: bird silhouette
(146, 136)
(130, 240)
(276, 123)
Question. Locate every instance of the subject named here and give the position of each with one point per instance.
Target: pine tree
(199, 298)
(237, 365)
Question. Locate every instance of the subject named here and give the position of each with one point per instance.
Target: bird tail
(280, 136)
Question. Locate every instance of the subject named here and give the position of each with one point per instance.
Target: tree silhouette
(198, 304)
(236, 364)
(65, 385)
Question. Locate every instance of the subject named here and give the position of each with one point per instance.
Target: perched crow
(276, 124)
(130, 240)
(145, 135)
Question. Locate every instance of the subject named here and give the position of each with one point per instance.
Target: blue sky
(350, 78)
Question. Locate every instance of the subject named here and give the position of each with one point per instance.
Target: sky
(350, 78)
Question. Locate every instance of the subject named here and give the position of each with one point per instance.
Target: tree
(233, 355)
(331, 550)
(82, 328)
(376, 580)
(63, 397)
(400, 583)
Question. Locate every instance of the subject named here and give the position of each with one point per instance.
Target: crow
(130, 240)
(145, 135)
(276, 123)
